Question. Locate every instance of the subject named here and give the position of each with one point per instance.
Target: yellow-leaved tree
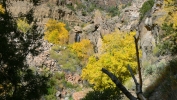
(169, 2)
(168, 36)
(1, 9)
(84, 49)
(55, 32)
(22, 25)
(118, 51)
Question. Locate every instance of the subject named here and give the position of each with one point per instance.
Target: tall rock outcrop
(149, 30)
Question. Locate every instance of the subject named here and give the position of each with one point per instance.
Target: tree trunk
(119, 84)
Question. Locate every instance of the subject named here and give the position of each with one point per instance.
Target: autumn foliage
(1, 9)
(169, 2)
(118, 51)
(84, 49)
(55, 32)
(168, 36)
(22, 25)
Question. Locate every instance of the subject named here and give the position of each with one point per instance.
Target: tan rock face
(45, 10)
(20, 7)
(77, 29)
(98, 18)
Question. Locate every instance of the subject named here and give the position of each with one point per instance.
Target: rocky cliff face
(149, 30)
(96, 24)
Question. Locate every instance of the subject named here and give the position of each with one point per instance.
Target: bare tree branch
(138, 62)
(119, 84)
(131, 72)
(138, 88)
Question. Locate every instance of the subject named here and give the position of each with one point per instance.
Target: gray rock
(66, 98)
(148, 23)
(58, 93)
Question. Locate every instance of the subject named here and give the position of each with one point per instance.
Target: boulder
(77, 29)
(148, 23)
(58, 93)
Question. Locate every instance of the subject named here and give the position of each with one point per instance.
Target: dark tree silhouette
(17, 81)
(107, 94)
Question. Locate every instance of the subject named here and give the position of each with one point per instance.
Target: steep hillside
(160, 51)
(85, 20)
(78, 37)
